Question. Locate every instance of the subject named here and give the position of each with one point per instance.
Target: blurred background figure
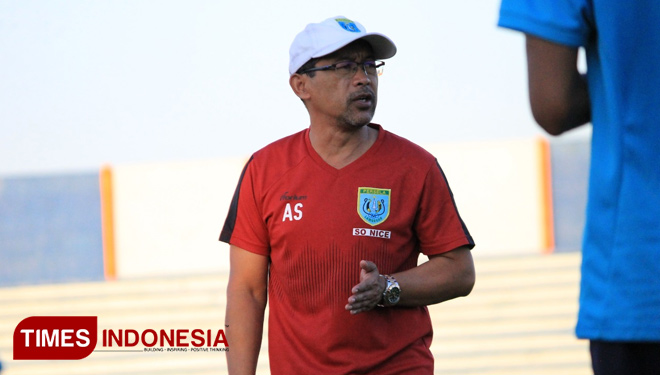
(620, 95)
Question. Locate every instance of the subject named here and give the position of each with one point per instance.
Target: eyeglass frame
(377, 64)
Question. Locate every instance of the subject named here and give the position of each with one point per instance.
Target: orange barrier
(107, 223)
(545, 184)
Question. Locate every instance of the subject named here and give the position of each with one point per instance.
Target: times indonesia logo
(75, 337)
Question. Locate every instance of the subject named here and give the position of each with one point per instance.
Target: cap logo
(348, 25)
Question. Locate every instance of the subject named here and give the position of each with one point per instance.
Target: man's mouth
(365, 97)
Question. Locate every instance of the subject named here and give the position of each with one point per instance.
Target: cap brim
(381, 45)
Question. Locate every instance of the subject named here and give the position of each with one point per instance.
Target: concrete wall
(570, 177)
(168, 216)
(131, 221)
(502, 193)
(50, 229)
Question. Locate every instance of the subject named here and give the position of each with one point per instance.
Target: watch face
(393, 295)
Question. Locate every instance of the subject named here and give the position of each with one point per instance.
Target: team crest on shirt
(373, 205)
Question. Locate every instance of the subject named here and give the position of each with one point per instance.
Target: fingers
(368, 292)
(368, 266)
(363, 301)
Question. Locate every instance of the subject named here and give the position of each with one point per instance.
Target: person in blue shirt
(620, 95)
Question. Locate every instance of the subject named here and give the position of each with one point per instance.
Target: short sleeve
(244, 226)
(438, 225)
(566, 22)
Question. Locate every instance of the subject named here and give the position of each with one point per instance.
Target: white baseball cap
(320, 39)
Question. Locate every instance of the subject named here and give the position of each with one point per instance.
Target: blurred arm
(558, 93)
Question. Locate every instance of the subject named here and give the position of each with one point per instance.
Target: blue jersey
(620, 287)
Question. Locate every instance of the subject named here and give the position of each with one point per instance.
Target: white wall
(498, 188)
(168, 216)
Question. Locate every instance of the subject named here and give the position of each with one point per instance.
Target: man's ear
(298, 83)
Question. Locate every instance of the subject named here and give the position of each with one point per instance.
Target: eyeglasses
(349, 68)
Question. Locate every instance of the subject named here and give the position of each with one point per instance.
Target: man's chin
(358, 122)
(355, 125)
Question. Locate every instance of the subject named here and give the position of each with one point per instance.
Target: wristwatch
(392, 292)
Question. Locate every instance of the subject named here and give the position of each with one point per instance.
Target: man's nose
(363, 69)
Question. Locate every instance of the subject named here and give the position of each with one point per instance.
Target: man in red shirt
(328, 224)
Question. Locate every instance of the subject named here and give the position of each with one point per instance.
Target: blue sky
(88, 83)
